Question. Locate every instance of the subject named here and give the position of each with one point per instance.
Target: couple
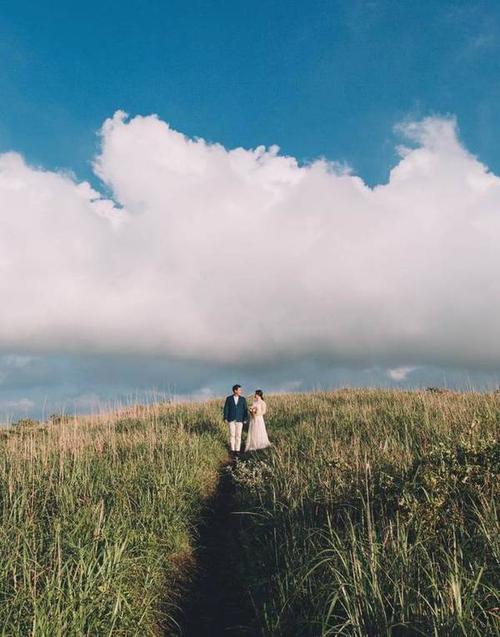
(236, 413)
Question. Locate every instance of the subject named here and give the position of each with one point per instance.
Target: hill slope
(373, 514)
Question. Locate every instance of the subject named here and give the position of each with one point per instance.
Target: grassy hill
(97, 519)
(373, 514)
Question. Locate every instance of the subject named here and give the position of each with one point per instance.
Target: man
(235, 414)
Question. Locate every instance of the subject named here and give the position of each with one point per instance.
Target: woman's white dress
(257, 434)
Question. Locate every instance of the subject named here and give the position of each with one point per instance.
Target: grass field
(373, 514)
(97, 518)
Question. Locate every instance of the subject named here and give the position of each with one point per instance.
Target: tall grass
(375, 515)
(97, 519)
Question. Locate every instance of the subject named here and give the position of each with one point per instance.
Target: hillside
(373, 514)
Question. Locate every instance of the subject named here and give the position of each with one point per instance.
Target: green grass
(97, 520)
(375, 515)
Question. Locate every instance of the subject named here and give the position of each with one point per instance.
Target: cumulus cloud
(210, 254)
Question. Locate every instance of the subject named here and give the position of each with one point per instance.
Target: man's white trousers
(235, 429)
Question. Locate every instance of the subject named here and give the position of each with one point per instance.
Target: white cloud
(400, 373)
(22, 405)
(16, 361)
(243, 255)
(12, 365)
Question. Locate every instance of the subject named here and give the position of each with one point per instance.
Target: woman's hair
(260, 393)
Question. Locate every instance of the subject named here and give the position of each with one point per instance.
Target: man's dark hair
(235, 387)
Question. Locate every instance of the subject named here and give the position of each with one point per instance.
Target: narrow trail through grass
(374, 513)
(218, 602)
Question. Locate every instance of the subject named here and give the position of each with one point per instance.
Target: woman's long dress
(257, 434)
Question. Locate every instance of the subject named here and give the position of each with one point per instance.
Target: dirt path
(218, 603)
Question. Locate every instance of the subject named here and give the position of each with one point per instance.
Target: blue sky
(319, 79)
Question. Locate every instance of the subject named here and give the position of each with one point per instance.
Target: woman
(257, 434)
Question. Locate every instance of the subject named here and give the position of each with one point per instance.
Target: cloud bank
(244, 256)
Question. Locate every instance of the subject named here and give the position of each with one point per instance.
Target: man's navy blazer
(237, 412)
